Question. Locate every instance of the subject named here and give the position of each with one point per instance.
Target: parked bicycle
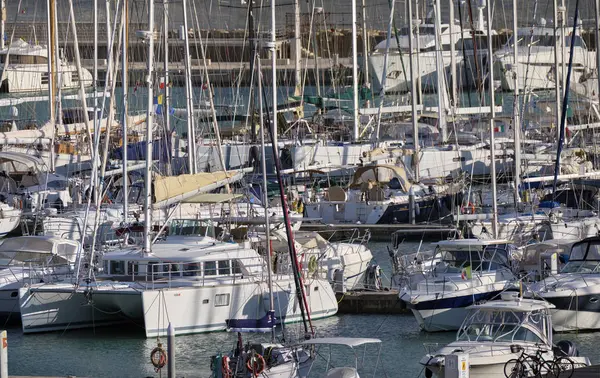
(530, 365)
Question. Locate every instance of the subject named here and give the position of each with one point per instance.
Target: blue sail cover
(264, 324)
(161, 150)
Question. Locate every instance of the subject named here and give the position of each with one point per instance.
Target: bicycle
(530, 365)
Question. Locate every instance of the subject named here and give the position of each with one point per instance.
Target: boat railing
(166, 273)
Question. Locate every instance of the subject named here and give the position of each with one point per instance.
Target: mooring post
(4, 355)
(411, 205)
(170, 351)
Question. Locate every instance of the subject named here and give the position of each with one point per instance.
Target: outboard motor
(565, 348)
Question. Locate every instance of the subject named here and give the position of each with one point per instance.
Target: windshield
(503, 326)
(493, 257)
(584, 258)
(546, 40)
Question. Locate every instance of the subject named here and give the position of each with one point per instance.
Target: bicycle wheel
(566, 366)
(513, 369)
(547, 369)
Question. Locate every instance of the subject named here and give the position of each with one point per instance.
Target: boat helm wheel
(158, 357)
(256, 364)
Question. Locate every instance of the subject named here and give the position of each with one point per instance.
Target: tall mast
(149, 125)
(2, 23)
(166, 81)
(413, 90)
(51, 63)
(440, 72)
(418, 47)
(95, 77)
(385, 64)
(355, 131)
(597, 31)
(125, 86)
(192, 163)
(297, 48)
(265, 199)
(557, 65)
(454, 91)
(516, 117)
(492, 122)
(274, 75)
(365, 36)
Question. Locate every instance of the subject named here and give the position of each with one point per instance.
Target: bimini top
(381, 173)
(351, 342)
(22, 162)
(469, 243)
(20, 47)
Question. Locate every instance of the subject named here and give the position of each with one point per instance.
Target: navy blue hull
(430, 209)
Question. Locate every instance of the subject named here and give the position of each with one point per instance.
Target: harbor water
(125, 352)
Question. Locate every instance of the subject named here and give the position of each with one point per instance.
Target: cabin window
(132, 267)
(221, 300)
(237, 267)
(152, 268)
(593, 252)
(192, 269)
(210, 268)
(224, 268)
(117, 267)
(578, 251)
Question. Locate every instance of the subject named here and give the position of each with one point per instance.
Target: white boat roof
(520, 305)
(469, 243)
(347, 341)
(182, 248)
(20, 47)
(30, 161)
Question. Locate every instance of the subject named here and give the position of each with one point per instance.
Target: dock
(383, 232)
(585, 372)
(371, 302)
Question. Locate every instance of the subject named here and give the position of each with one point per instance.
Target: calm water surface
(124, 352)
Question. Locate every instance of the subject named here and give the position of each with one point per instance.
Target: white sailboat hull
(20, 78)
(191, 309)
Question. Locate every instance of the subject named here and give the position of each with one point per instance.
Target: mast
(57, 86)
(454, 91)
(563, 119)
(413, 91)
(516, 117)
(355, 131)
(557, 65)
(2, 23)
(440, 72)
(384, 74)
(192, 163)
(492, 123)
(365, 36)
(166, 81)
(95, 77)
(51, 64)
(273, 49)
(125, 86)
(265, 198)
(297, 49)
(149, 125)
(597, 32)
(418, 47)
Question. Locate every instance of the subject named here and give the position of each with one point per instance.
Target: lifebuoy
(158, 357)
(256, 364)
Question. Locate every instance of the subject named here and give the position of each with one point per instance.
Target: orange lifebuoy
(256, 364)
(158, 357)
(106, 200)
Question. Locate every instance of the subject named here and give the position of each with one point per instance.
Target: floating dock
(371, 302)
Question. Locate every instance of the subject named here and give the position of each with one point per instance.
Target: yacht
(575, 290)
(496, 332)
(199, 283)
(536, 63)
(26, 260)
(397, 79)
(470, 271)
(25, 69)
(380, 194)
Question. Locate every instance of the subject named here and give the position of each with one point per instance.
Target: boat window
(468, 43)
(224, 268)
(237, 267)
(210, 268)
(221, 300)
(191, 269)
(152, 268)
(581, 266)
(132, 267)
(117, 267)
(484, 325)
(593, 252)
(578, 42)
(423, 30)
(578, 251)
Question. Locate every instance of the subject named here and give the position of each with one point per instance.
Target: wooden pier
(371, 302)
(585, 372)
